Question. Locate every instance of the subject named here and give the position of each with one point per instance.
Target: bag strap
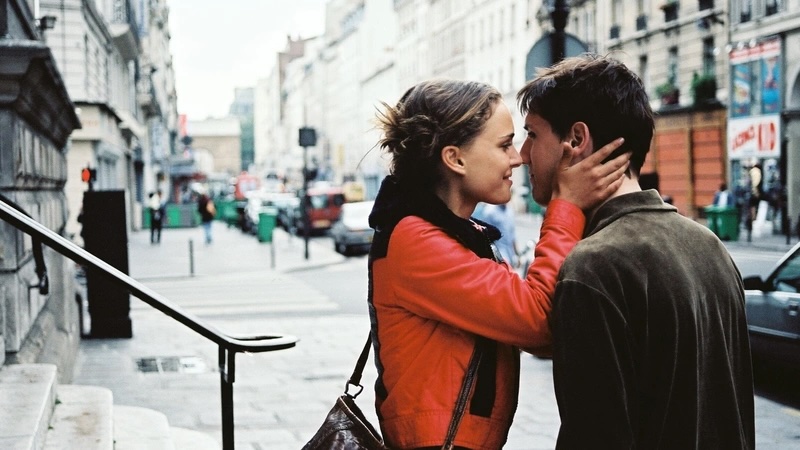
(461, 402)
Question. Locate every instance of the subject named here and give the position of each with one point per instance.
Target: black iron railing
(229, 345)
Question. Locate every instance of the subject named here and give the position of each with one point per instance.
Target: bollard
(191, 258)
(272, 254)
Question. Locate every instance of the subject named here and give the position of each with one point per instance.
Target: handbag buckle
(347, 389)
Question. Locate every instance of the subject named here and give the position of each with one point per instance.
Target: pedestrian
(651, 345)
(156, 207)
(501, 217)
(207, 210)
(723, 197)
(435, 290)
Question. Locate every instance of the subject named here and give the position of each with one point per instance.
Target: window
(773, 7)
(787, 279)
(709, 61)
(672, 66)
(745, 10)
(706, 4)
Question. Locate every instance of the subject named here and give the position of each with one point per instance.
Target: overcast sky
(218, 45)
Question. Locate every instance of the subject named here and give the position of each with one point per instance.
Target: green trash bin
(266, 224)
(712, 216)
(728, 223)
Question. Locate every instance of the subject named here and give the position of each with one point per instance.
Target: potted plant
(704, 88)
(668, 92)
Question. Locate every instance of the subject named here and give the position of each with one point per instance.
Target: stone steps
(39, 414)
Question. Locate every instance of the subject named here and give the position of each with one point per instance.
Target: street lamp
(45, 23)
(307, 138)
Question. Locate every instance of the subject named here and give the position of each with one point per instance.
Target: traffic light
(88, 175)
(307, 137)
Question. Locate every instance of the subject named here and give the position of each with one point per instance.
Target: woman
(434, 282)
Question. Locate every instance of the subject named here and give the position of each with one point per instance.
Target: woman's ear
(452, 159)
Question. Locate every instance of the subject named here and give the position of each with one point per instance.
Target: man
(156, 206)
(650, 339)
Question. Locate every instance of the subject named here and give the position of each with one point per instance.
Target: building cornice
(31, 85)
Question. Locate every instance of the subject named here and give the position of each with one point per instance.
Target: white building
(115, 61)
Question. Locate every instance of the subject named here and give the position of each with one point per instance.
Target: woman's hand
(590, 182)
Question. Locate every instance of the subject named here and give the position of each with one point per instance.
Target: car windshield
(787, 278)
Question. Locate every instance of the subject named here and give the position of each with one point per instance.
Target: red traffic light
(88, 175)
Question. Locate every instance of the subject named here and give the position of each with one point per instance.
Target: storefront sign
(757, 137)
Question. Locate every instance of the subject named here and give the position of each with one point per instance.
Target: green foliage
(666, 89)
(704, 88)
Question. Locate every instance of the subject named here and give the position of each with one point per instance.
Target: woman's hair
(599, 91)
(430, 116)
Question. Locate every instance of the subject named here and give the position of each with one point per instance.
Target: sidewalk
(280, 398)
(770, 242)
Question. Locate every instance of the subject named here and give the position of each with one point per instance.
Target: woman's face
(489, 160)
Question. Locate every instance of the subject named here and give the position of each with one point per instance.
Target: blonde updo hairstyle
(430, 116)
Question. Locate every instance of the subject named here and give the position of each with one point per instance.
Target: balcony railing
(229, 345)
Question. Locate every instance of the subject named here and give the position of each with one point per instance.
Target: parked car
(324, 206)
(352, 232)
(773, 311)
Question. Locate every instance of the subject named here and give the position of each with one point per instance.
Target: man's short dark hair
(599, 91)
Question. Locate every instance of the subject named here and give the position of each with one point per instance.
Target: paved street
(281, 397)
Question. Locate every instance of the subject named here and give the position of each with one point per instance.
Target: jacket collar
(649, 200)
(396, 201)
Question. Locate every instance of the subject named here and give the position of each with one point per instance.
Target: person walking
(651, 346)
(436, 292)
(156, 207)
(207, 210)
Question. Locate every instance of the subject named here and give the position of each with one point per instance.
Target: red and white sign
(757, 136)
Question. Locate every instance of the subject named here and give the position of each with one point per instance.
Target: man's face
(542, 152)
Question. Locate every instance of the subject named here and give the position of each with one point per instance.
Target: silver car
(351, 232)
(773, 311)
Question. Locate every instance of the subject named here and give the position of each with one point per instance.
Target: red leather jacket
(431, 296)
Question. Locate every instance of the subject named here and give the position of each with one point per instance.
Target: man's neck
(629, 185)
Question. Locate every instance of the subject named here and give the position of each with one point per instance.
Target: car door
(777, 311)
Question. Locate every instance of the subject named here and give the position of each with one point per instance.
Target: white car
(351, 232)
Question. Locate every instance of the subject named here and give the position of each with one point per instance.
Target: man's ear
(581, 140)
(452, 160)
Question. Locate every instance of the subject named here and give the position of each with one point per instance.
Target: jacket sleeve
(436, 277)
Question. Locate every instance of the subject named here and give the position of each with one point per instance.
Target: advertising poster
(754, 137)
(740, 106)
(770, 73)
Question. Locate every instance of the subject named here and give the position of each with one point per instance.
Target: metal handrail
(228, 345)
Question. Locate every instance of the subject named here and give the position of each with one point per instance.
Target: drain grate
(171, 364)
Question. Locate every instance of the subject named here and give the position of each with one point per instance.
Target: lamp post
(559, 15)
(307, 138)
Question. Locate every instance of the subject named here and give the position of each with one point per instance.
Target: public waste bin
(266, 224)
(728, 223)
(723, 221)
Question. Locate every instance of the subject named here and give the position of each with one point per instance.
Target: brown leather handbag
(346, 428)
